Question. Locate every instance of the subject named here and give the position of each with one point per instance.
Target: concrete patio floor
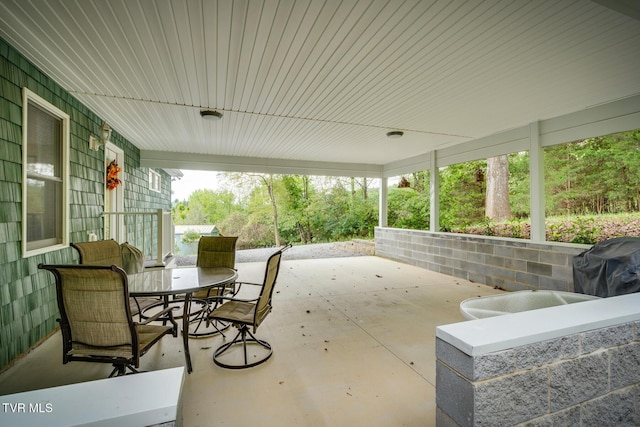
(353, 340)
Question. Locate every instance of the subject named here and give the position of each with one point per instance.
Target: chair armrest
(239, 285)
(168, 310)
(234, 299)
(248, 283)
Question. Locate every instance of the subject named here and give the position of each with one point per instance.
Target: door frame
(114, 199)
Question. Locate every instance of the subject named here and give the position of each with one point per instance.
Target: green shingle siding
(9, 212)
(28, 306)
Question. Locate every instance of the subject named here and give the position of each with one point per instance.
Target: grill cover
(609, 268)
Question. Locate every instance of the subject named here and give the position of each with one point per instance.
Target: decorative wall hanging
(112, 175)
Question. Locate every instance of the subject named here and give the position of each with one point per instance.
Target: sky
(191, 181)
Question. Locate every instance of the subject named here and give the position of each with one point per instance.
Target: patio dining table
(180, 281)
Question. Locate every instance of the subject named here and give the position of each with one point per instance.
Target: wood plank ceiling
(323, 81)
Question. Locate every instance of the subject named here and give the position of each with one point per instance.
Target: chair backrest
(217, 251)
(94, 306)
(102, 252)
(263, 305)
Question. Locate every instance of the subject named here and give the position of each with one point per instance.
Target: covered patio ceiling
(322, 82)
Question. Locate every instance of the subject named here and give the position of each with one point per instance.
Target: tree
(497, 206)
(267, 182)
(462, 194)
(519, 185)
(298, 199)
(204, 207)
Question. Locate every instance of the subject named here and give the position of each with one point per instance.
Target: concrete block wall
(590, 378)
(511, 264)
(359, 246)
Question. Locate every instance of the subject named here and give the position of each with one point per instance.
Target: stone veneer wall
(28, 307)
(586, 379)
(510, 264)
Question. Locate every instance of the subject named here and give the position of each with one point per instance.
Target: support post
(382, 200)
(434, 191)
(536, 175)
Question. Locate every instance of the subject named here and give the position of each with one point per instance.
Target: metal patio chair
(96, 321)
(246, 314)
(213, 251)
(107, 253)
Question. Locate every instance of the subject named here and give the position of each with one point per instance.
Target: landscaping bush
(569, 229)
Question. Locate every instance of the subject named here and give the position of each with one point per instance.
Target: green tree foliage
(296, 221)
(260, 206)
(338, 215)
(462, 194)
(519, 187)
(593, 176)
(179, 212)
(408, 208)
(408, 205)
(204, 207)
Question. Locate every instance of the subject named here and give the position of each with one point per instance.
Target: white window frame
(29, 97)
(155, 181)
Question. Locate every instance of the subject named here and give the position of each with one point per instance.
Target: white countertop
(133, 400)
(477, 337)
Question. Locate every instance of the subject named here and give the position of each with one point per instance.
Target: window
(45, 146)
(154, 181)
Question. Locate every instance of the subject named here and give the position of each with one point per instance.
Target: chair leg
(121, 370)
(147, 312)
(242, 339)
(218, 328)
(203, 317)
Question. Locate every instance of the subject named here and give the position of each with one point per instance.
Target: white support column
(536, 176)
(382, 200)
(434, 220)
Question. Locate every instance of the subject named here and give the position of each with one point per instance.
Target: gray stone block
(484, 248)
(444, 420)
(607, 337)
(616, 409)
(554, 258)
(503, 251)
(560, 272)
(476, 277)
(625, 365)
(555, 285)
(539, 268)
(454, 358)
(567, 418)
(577, 380)
(528, 279)
(455, 395)
(496, 282)
(511, 399)
(526, 254)
(515, 264)
(492, 365)
(546, 352)
(494, 260)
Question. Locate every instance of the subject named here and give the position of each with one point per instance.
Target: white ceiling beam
(186, 161)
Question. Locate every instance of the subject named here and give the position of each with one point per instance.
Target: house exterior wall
(510, 264)
(28, 308)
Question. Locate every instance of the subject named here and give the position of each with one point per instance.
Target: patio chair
(213, 251)
(96, 321)
(107, 253)
(245, 314)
